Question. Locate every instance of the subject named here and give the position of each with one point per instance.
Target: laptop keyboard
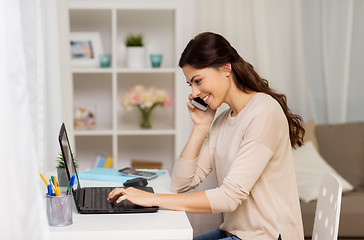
(94, 200)
(100, 195)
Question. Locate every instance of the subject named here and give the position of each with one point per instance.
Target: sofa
(342, 147)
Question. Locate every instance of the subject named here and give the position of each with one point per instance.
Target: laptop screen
(68, 160)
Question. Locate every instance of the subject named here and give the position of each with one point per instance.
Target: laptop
(94, 199)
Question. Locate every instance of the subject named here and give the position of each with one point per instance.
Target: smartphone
(131, 172)
(199, 103)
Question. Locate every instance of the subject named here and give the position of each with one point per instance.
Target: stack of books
(102, 161)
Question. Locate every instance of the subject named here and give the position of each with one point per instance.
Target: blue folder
(108, 175)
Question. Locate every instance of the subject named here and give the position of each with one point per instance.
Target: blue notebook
(108, 175)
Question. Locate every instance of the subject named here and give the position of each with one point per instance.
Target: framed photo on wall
(85, 48)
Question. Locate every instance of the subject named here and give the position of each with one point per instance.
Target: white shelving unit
(117, 132)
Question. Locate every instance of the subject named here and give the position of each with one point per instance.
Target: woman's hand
(134, 195)
(198, 116)
(195, 202)
(202, 122)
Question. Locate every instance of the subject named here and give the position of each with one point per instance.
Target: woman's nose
(195, 92)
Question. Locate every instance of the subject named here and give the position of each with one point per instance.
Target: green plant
(134, 40)
(60, 162)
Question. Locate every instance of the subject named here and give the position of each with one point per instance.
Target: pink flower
(135, 97)
(145, 98)
(168, 101)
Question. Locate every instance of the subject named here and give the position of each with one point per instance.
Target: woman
(248, 147)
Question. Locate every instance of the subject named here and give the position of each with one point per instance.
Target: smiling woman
(309, 50)
(248, 146)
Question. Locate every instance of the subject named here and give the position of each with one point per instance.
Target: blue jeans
(216, 234)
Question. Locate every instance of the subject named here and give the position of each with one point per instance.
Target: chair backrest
(327, 216)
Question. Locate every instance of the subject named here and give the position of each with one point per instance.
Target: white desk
(164, 224)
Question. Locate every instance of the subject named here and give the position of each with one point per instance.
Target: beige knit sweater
(251, 157)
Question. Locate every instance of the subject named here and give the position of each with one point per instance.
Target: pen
(45, 181)
(56, 188)
(54, 181)
(50, 182)
(53, 188)
(57, 191)
(50, 192)
(70, 184)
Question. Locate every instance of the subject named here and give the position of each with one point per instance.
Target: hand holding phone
(199, 103)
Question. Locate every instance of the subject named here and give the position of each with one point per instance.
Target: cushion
(310, 133)
(342, 146)
(310, 167)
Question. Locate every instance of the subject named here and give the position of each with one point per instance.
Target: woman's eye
(196, 81)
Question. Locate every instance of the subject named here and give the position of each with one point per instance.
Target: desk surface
(164, 224)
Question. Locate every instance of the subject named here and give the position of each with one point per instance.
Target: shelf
(123, 70)
(92, 91)
(126, 132)
(117, 132)
(158, 28)
(87, 148)
(92, 70)
(93, 132)
(149, 132)
(132, 128)
(147, 148)
(146, 70)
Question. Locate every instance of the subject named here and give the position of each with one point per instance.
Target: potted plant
(135, 51)
(61, 170)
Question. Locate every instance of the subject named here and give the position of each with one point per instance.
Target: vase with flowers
(145, 99)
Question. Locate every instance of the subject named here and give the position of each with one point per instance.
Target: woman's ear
(226, 69)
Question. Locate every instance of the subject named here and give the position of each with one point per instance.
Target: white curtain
(25, 116)
(310, 50)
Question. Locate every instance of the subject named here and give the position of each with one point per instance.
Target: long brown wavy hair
(213, 50)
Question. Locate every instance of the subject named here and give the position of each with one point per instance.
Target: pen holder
(59, 210)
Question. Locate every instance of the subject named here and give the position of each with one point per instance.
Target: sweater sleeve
(187, 174)
(247, 168)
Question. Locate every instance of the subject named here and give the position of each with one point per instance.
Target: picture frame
(85, 116)
(85, 48)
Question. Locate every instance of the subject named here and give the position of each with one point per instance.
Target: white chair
(327, 216)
